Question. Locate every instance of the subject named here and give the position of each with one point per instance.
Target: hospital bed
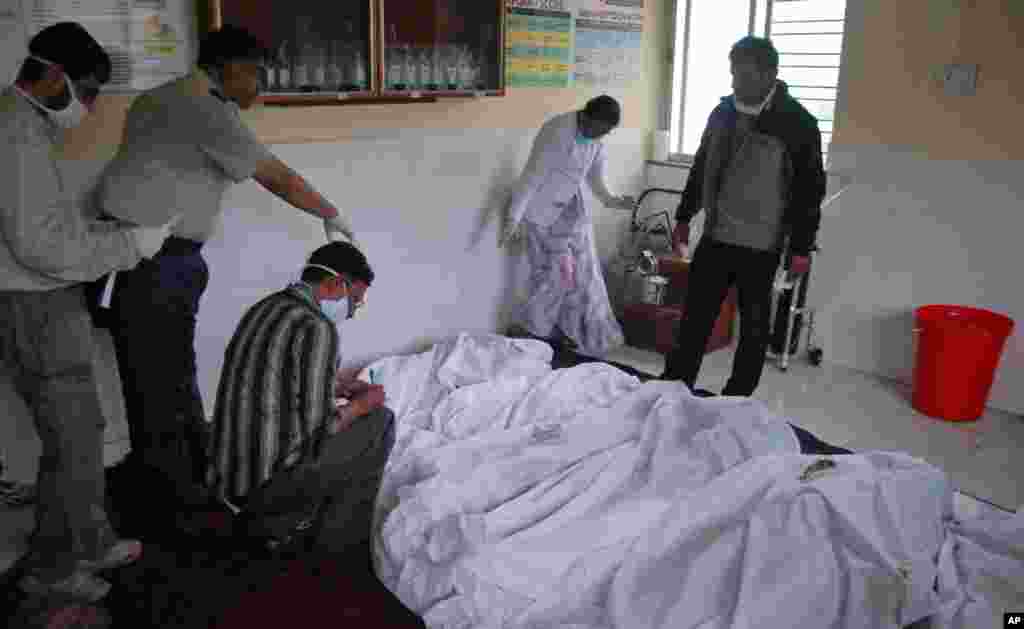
(522, 496)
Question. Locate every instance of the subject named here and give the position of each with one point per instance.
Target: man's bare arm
(291, 187)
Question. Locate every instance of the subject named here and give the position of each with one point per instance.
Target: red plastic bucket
(958, 350)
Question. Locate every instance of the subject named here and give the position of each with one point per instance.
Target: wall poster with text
(609, 42)
(538, 43)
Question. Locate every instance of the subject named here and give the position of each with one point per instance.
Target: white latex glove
(625, 202)
(149, 240)
(339, 228)
(567, 266)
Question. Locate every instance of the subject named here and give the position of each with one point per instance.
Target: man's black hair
(757, 49)
(230, 43)
(342, 257)
(604, 108)
(71, 46)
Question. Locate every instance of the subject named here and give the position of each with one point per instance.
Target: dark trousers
(48, 358)
(155, 306)
(717, 267)
(338, 489)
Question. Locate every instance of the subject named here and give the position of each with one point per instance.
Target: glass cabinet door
(441, 47)
(316, 47)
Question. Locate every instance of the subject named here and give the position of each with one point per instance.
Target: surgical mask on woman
(68, 117)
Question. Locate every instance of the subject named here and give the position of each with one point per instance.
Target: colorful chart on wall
(538, 44)
(589, 43)
(609, 42)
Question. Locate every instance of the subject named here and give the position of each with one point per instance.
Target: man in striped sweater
(282, 450)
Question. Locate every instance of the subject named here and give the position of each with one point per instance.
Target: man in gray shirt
(184, 144)
(48, 348)
(759, 178)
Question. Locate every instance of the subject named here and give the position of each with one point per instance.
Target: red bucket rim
(988, 320)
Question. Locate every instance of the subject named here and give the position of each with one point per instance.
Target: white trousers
(582, 310)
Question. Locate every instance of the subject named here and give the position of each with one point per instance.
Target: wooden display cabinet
(442, 47)
(373, 51)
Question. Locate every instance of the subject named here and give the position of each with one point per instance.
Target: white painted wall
(909, 231)
(926, 226)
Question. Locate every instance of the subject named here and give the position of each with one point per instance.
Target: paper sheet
(609, 42)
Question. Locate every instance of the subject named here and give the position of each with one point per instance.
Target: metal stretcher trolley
(789, 317)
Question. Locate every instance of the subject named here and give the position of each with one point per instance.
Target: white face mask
(69, 117)
(338, 310)
(753, 110)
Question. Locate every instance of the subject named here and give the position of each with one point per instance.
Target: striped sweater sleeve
(314, 349)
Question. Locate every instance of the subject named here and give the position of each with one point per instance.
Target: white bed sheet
(518, 496)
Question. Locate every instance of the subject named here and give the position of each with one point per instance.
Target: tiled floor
(862, 412)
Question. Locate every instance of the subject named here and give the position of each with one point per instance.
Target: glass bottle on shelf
(344, 61)
(300, 78)
(335, 62)
(426, 69)
(270, 75)
(436, 68)
(411, 67)
(319, 65)
(467, 70)
(396, 65)
(484, 71)
(284, 71)
(359, 70)
(451, 67)
(346, 57)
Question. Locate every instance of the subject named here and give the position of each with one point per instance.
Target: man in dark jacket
(759, 178)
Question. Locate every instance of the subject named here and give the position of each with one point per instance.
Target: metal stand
(793, 311)
(790, 345)
(638, 256)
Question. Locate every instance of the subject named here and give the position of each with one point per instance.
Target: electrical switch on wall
(960, 79)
